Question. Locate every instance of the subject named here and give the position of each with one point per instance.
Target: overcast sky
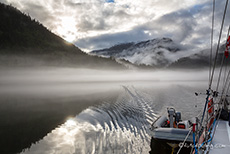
(96, 24)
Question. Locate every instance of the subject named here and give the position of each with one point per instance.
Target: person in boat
(174, 116)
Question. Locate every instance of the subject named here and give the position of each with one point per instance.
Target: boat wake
(120, 127)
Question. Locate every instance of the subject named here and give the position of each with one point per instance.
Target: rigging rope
(227, 89)
(184, 141)
(225, 71)
(222, 62)
(211, 137)
(214, 65)
(213, 18)
(215, 126)
(215, 61)
(218, 45)
(225, 85)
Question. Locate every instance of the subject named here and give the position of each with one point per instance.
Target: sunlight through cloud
(70, 123)
(67, 28)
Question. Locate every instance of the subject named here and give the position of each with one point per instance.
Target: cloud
(138, 33)
(176, 25)
(94, 24)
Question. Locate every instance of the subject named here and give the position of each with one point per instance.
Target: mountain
(157, 52)
(199, 60)
(26, 42)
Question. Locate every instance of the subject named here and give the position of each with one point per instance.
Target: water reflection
(118, 128)
(42, 98)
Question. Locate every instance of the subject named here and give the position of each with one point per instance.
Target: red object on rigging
(228, 42)
(226, 53)
(210, 104)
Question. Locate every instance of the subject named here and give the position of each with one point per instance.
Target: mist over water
(111, 110)
(65, 82)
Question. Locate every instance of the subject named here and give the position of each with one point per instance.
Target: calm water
(111, 111)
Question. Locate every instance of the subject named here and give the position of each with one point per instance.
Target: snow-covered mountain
(160, 53)
(200, 59)
(157, 52)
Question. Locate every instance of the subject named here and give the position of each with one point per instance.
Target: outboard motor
(171, 112)
(178, 117)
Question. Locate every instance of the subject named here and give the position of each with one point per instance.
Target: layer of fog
(119, 125)
(51, 95)
(49, 82)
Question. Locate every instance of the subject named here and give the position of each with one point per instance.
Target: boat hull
(165, 146)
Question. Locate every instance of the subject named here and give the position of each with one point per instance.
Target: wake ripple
(121, 127)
